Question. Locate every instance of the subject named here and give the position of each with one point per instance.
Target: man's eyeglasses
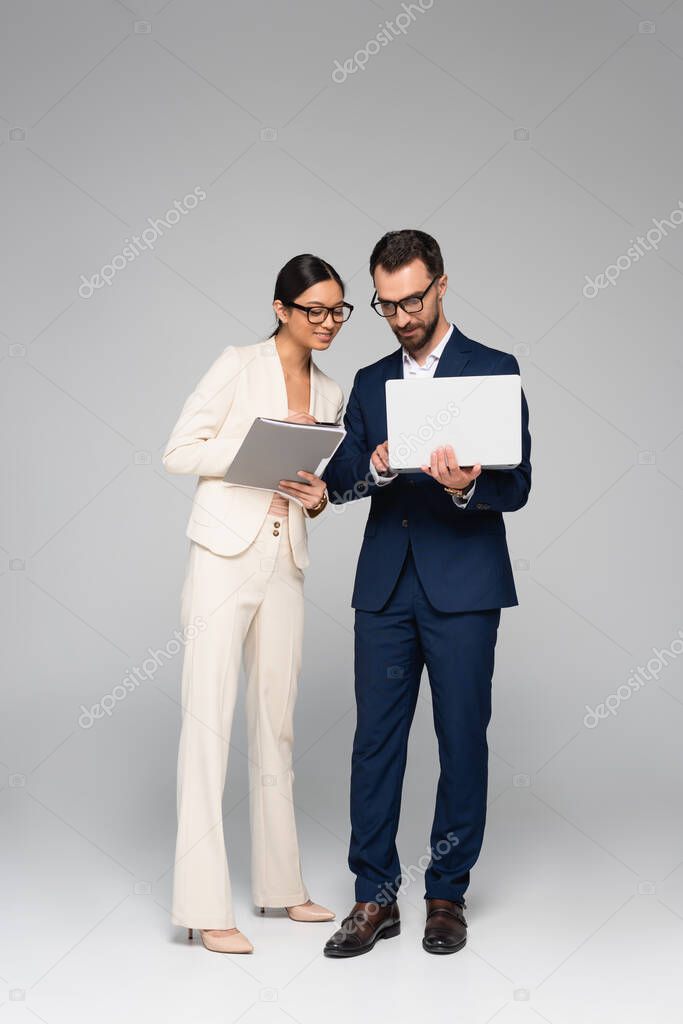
(412, 304)
(318, 314)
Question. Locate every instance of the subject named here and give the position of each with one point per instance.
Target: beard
(423, 336)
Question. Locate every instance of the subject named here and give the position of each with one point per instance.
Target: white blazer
(244, 382)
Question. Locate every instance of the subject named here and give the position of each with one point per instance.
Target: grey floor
(575, 908)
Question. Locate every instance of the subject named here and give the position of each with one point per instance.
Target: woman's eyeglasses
(318, 314)
(412, 304)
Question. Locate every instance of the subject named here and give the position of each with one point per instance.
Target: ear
(280, 311)
(443, 285)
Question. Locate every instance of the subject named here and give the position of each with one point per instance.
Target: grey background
(534, 140)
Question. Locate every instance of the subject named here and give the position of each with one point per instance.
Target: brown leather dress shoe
(361, 929)
(445, 928)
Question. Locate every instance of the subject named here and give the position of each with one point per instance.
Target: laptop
(481, 417)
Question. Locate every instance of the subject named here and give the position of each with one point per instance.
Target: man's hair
(397, 248)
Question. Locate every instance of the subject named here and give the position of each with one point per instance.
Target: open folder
(275, 450)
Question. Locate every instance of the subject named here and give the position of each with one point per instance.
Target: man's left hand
(445, 470)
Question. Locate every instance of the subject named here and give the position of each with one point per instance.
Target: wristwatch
(460, 492)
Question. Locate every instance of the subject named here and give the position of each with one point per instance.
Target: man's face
(416, 330)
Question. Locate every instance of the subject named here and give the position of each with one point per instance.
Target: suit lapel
(455, 356)
(275, 393)
(393, 370)
(318, 393)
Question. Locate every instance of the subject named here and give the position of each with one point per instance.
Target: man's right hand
(380, 458)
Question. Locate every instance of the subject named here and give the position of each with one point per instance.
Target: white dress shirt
(411, 368)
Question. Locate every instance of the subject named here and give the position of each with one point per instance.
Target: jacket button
(404, 523)
(276, 533)
(276, 524)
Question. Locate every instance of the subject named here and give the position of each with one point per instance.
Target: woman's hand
(301, 417)
(310, 494)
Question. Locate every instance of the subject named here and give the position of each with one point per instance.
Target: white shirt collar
(433, 355)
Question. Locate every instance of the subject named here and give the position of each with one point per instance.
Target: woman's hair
(298, 274)
(397, 248)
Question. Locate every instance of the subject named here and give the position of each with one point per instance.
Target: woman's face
(318, 336)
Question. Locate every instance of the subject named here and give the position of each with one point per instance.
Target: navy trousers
(392, 646)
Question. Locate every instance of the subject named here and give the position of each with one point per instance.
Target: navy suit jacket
(461, 554)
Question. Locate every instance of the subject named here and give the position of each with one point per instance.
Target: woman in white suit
(243, 594)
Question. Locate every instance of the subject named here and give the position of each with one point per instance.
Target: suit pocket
(212, 503)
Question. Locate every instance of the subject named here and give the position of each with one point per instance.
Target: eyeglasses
(318, 314)
(412, 304)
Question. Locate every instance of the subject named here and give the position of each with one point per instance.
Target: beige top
(280, 505)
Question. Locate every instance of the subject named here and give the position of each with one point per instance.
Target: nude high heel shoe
(307, 912)
(234, 942)
(310, 912)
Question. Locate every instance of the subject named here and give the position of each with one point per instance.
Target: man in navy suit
(432, 576)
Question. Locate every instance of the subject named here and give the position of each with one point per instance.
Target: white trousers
(252, 604)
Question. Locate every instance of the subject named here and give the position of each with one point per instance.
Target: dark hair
(397, 248)
(298, 274)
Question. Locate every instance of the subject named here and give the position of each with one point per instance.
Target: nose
(329, 317)
(402, 318)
